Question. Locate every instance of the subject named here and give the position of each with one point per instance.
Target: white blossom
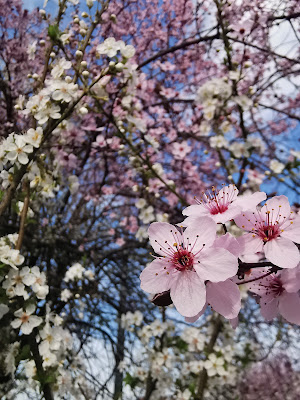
(26, 320)
(276, 166)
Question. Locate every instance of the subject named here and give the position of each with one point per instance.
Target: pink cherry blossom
(278, 293)
(273, 229)
(222, 206)
(187, 261)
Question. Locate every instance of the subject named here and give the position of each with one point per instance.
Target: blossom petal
(224, 297)
(216, 265)
(229, 243)
(289, 307)
(195, 210)
(162, 236)
(250, 201)
(156, 279)
(201, 232)
(276, 203)
(247, 220)
(269, 310)
(292, 231)
(196, 317)
(250, 244)
(291, 279)
(225, 216)
(188, 293)
(282, 252)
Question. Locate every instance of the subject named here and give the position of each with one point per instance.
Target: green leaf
(53, 32)
(131, 381)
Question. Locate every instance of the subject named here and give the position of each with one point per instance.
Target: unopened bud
(68, 79)
(218, 164)
(42, 42)
(112, 64)
(84, 14)
(35, 76)
(83, 110)
(85, 74)
(52, 54)
(119, 67)
(76, 20)
(42, 13)
(82, 32)
(113, 18)
(78, 53)
(83, 64)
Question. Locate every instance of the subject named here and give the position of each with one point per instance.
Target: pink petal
(234, 322)
(250, 201)
(195, 210)
(188, 294)
(162, 236)
(156, 279)
(229, 192)
(276, 203)
(201, 232)
(250, 244)
(269, 310)
(229, 243)
(224, 297)
(232, 212)
(216, 265)
(291, 279)
(194, 319)
(282, 252)
(289, 307)
(291, 230)
(247, 220)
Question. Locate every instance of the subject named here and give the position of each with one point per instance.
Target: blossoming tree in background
(114, 124)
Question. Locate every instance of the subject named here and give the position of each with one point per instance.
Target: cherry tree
(114, 124)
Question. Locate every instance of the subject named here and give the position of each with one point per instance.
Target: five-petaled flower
(278, 293)
(222, 206)
(273, 229)
(186, 261)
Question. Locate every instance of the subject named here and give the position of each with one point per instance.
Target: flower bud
(76, 20)
(78, 53)
(85, 74)
(84, 14)
(119, 67)
(68, 79)
(42, 13)
(83, 64)
(83, 110)
(52, 54)
(35, 76)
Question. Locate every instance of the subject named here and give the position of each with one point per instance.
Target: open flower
(186, 262)
(273, 229)
(222, 206)
(26, 320)
(278, 293)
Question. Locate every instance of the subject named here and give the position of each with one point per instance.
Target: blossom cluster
(175, 356)
(197, 268)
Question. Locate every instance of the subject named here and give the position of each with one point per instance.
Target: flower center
(268, 232)
(276, 287)
(183, 260)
